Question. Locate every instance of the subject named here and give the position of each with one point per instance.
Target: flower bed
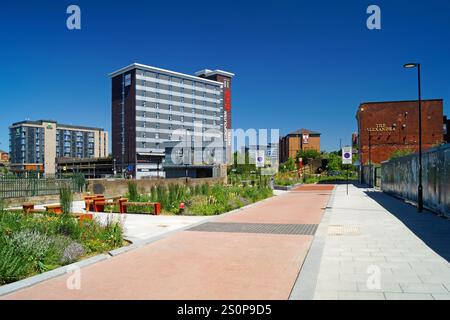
(198, 200)
(32, 244)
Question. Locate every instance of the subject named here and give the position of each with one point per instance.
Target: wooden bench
(89, 201)
(27, 207)
(53, 208)
(156, 206)
(81, 217)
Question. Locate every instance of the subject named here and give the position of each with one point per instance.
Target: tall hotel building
(149, 103)
(35, 145)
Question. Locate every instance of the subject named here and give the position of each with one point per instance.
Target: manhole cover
(343, 231)
(295, 229)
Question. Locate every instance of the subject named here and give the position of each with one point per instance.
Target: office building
(35, 145)
(386, 127)
(299, 140)
(151, 106)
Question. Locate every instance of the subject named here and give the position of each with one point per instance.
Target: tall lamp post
(420, 187)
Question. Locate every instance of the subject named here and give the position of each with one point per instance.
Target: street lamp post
(420, 187)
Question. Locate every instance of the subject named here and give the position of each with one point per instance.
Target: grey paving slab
(408, 296)
(370, 234)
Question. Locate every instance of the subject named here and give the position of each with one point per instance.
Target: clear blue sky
(297, 63)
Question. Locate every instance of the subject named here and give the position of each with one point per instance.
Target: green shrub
(133, 194)
(66, 199)
(13, 267)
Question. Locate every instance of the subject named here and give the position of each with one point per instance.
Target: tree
(289, 165)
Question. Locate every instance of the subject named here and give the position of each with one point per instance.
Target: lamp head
(410, 65)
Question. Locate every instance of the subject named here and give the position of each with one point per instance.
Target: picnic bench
(124, 204)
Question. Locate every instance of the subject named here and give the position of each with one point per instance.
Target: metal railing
(12, 186)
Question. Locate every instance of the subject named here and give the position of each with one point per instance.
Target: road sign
(347, 155)
(260, 158)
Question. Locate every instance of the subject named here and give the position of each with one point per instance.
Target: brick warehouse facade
(384, 127)
(302, 139)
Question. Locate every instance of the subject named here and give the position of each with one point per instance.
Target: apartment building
(35, 145)
(151, 106)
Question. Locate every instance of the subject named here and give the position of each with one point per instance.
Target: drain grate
(296, 229)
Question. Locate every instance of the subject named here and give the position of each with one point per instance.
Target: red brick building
(299, 140)
(384, 127)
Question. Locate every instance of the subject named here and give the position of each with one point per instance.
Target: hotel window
(170, 127)
(182, 99)
(143, 103)
(143, 82)
(181, 109)
(157, 95)
(170, 118)
(157, 105)
(143, 93)
(182, 119)
(193, 111)
(156, 135)
(156, 85)
(157, 116)
(157, 125)
(170, 107)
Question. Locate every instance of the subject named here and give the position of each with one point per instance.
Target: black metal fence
(17, 186)
(400, 177)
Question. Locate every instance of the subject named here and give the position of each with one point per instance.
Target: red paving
(203, 265)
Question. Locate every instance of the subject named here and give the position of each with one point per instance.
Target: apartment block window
(143, 93)
(156, 135)
(215, 122)
(143, 82)
(182, 99)
(170, 118)
(157, 116)
(143, 103)
(193, 111)
(182, 119)
(170, 108)
(157, 95)
(181, 109)
(157, 105)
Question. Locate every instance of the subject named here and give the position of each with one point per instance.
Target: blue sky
(297, 63)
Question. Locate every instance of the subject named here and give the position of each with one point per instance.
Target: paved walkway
(368, 247)
(207, 264)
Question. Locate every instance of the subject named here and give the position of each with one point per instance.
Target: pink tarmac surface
(205, 265)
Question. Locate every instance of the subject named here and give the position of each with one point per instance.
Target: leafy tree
(289, 165)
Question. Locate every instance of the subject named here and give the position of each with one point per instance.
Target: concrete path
(207, 264)
(373, 246)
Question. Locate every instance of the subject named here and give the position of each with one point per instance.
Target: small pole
(347, 179)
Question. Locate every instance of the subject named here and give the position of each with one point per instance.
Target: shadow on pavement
(432, 229)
